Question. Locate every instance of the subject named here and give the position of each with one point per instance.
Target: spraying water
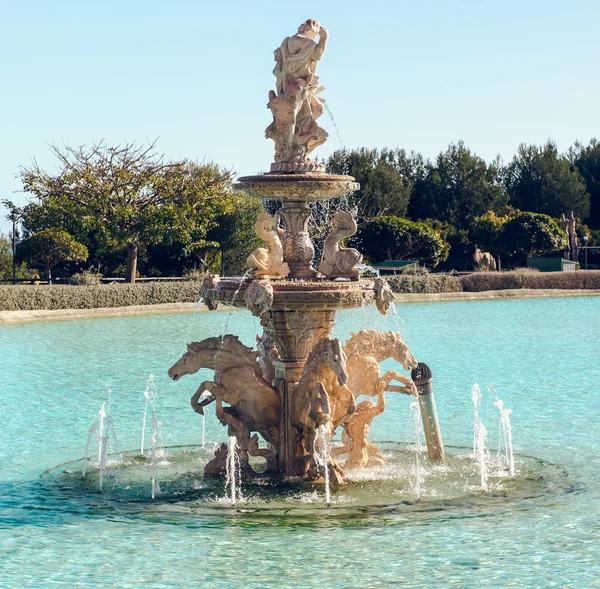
(337, 131)
(149, 394)
(103, 430)
(479, 438)
(322, 454)
(476, 398)
(93, 431)
(416, 415)
(204, 395)
(154, 455)
(481, 454)
(506, 431)
(233, 472)
(103, 442)
(234, 298)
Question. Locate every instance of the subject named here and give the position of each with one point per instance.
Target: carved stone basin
(306, 187)
(292, 295)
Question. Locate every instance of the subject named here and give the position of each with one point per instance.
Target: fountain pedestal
(299, 385)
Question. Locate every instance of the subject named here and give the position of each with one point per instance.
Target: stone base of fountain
(184, 490)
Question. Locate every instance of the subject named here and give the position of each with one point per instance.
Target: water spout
(233, 472)
(506, 437)
(154, 455)
(416, 415)
(322, 456)
(479, 438)
(149, 395)
(481, 454)
(476, 398)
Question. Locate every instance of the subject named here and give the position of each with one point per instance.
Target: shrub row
(424, 283)
(480, 281)
(46, 297)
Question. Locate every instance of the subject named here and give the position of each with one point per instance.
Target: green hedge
(46, 297)
(481, 281)
(424, 283)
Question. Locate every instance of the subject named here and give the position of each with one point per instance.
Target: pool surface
(540, 354)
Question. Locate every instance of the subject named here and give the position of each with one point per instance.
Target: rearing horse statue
(319, 397)
(254, 403)
(364, 351)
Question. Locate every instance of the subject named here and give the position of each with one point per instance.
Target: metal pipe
(422, 377)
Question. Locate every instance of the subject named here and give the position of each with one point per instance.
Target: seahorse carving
(268, 262)
(340, 262)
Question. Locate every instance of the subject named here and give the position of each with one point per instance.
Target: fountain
(301, 384)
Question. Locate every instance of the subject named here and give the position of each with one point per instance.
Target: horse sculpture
(364, 351)
(318, 397)
(254, 404)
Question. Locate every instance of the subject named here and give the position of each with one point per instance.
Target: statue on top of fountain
(296, 106)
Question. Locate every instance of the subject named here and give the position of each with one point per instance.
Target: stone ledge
(517, 293)
(9, 317)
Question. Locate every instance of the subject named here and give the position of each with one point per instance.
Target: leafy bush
(50, 297)
(394, 238)
(532, 234)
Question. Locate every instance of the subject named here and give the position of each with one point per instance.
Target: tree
(49, 247)
(458, 187)
(587, 161)
(393, 238)
(15, 215)
(6, 257)
(383, 188)
(236, 237)
(128, 195)
(531, 234)
(486, 230)
(541, 181)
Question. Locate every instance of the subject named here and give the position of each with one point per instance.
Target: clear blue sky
(196, 75)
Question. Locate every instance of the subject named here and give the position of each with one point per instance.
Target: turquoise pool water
(541, 355)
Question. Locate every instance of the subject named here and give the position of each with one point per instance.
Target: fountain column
(294, 333)
(298, 250)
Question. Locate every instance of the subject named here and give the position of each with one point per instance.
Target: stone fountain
(300, 379)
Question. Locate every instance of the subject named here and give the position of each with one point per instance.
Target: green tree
(6, 257)
(49, 247)
(541, 181)
(383, 188)
(393, 238)
(236, 237)
(529, 234)
(458, 187)
(129, 196)
(587, 161)
(15, 215)
(486, 231)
